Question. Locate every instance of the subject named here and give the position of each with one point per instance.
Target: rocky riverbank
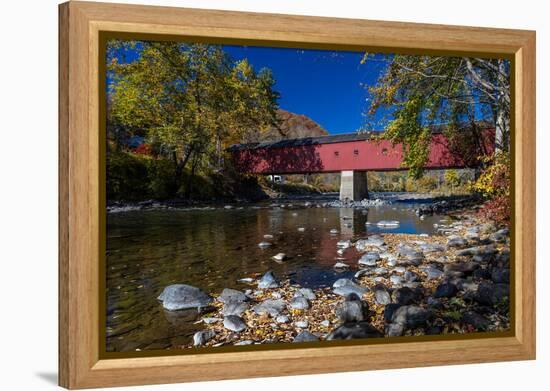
(427, 204)
(456, 281)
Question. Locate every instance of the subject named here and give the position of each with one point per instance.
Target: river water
(212, 248)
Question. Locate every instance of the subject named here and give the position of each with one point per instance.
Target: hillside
(293, 126)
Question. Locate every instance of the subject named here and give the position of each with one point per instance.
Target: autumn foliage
(494, 184)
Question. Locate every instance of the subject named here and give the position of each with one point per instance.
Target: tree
(418, 92)
(191, 99)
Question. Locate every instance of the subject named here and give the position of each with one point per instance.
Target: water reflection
(212, 249)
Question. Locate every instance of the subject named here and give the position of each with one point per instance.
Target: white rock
(280, 257)
(301, 324)
(341, 265)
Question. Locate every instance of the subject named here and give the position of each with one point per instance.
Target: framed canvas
(248, 195)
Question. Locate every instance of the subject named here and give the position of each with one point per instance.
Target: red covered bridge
(354, 154)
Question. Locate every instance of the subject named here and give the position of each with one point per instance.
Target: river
(213, 247)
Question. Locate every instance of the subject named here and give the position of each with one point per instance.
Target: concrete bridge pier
(353, 185)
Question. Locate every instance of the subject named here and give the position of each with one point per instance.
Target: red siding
(354, 155)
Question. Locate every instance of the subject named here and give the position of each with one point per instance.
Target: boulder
(353, 309)
(432, 272)
(268, 281)
(234, 323)
(355, 330)
(299, 303)
(372, 241)
(405, 295)
(459, 268)
(445, 289)
(305, 336)
(396, 280)
(411, 276)
(272, 307)
(410, 253)
(500, 236)
(202, 337)
(180, 296)
(305, 292)
(500, 275)
(456, 241)
(431, 247)
(478, 321)
(478, 250)
(395, 329)
(234, 308)
(492, 294)
(381, 295)
(389, 310)
(345, 286)
(411, 316)
(369, 259)
(228, 295)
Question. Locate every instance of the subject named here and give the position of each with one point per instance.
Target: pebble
(303, 324)
(341, 265)
(280, 257)
(282, 319)
(202, 337)
(244, 343)
(210, 320)
(343, 244)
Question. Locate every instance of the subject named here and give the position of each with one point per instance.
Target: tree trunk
(502, 131)
(180, 165)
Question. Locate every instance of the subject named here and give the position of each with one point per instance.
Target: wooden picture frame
(80, 204)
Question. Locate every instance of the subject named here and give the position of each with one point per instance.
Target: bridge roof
(296, 142)
(328, 139)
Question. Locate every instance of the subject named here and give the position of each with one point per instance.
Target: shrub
(143, 149)
(494, 185)
(136, 177)
(126, 177)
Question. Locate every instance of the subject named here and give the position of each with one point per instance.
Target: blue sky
(327, 86)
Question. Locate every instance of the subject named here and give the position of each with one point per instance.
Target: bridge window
(356, 152)
(336, 153)
(384, 151)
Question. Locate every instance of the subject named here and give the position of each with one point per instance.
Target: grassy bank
(133, 177)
